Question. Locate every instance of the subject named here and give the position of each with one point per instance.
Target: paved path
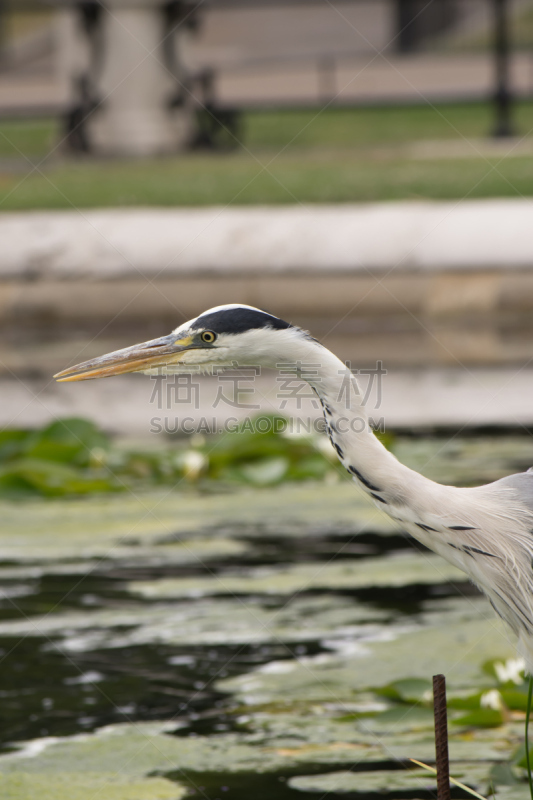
(341, 54)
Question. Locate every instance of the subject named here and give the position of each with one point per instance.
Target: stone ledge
(490, 234)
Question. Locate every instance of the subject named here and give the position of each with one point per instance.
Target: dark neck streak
(347, 425)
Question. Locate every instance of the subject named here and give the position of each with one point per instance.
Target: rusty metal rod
(441, 737)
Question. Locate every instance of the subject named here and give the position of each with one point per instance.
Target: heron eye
(208, 337)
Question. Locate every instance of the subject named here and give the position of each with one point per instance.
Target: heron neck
(346, 420)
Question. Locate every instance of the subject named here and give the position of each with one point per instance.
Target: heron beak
(140, 357)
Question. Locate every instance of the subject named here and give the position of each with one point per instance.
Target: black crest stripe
(238, 320)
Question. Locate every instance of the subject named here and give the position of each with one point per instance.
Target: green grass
(27, 138)
(205, 180)
(298, 129)
(337, 156)
(371, 127)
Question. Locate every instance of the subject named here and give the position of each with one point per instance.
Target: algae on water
(338, 645)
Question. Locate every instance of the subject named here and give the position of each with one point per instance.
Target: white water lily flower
(193, 464)
(492, 699)
(510, 670)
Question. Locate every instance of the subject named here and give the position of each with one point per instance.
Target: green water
(267, 643)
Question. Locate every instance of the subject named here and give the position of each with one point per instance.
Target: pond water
(267, 643)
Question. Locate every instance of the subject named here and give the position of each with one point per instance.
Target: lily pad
(515, 700)
(206, 621)
(29, 476)
(137, 750)
(116, 762)
(94, 463)
(106, 527)
(54, 461)
(402, 570)
(389, 781)
(481, 718)
(409, 690)
(413, 718)
(132, 753)
(516, 792)
(72, 785)
(68, 441)
(456, 649)
(481, 744)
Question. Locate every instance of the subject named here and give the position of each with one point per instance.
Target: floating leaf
(257, 453)
(66, 441)
(504, 775)
(388, 782)
(409, 690)
(481, 718)
(514, 699)
(86, 786)
(401, 718)
(50, 479)
(12, 443)
(452, 780)
(470, 702)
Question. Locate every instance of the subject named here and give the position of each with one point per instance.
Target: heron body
(486, 531)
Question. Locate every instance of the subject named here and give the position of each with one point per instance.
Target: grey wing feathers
(522, 482)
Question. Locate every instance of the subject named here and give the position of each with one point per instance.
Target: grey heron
(486, 531)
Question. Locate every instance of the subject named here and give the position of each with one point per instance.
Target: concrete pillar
(125, 101)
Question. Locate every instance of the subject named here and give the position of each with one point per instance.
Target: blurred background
(225, 613)
(360, 168)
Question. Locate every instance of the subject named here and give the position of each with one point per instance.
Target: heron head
(231, 335)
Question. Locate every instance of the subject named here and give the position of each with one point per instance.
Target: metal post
(441, 737)
(406, 26)
(502, 94)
